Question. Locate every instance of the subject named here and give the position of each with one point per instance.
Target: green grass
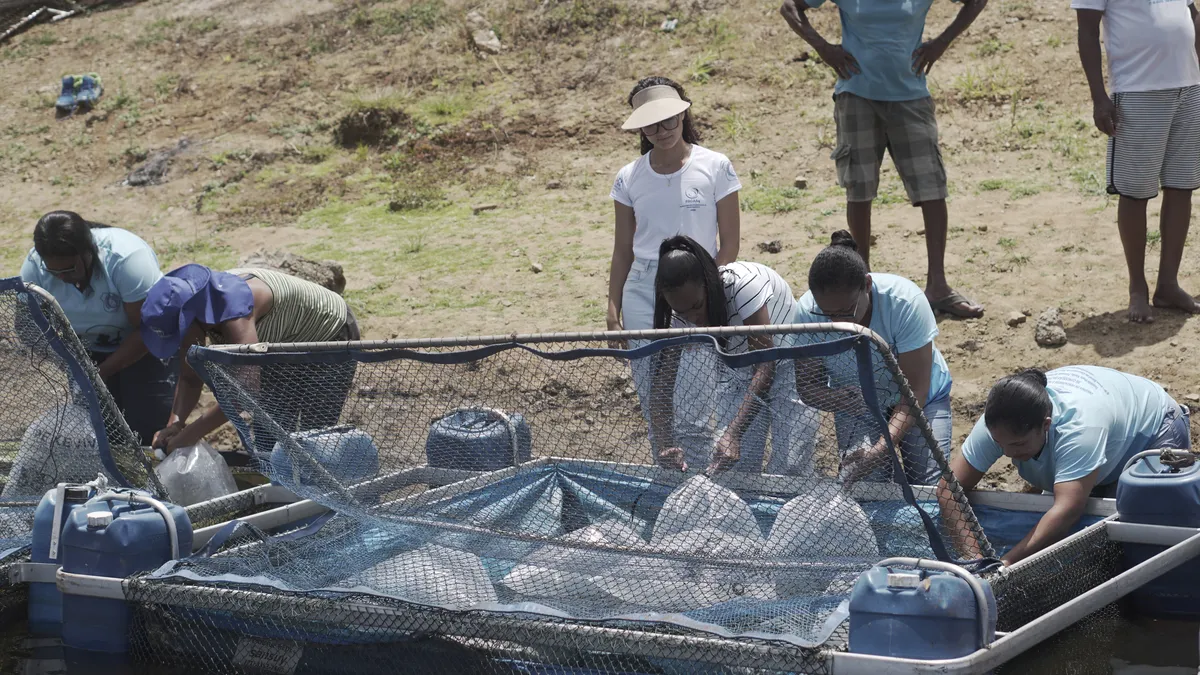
(1153, 237)
(155, 32)
(399, 20)
(1007, 243)
(772, 199)
(736, 125)
(701, 68)
(992, 46)
(1016, 190)
(204, 250)
(1090, 181)
(443, 109)
(994, 83)
(42, 39)
(166, 85)
(201, 26)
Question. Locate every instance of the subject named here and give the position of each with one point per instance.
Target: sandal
(951, 304)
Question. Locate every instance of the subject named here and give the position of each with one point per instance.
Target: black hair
(1018, 402)
(690, 135)
(682, 259)
(838, 267)
(62, 234)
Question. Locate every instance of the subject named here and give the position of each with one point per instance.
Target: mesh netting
(1049, 581)
(566, 490)
(1039, 585)
(58, 424)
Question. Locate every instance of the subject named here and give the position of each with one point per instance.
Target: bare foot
(1139, 307)
(1174, 297)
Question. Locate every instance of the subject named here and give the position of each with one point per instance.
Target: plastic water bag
(431, 575)
(195, 474)
(824, 522)
(572, 572)
(698, 503)
(59, 447)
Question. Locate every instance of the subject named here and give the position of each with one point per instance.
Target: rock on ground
(482, 35)
(1050, 331)
(1015, 319)
(154, 170)
(323, 272)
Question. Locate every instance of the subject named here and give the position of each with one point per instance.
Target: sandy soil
(262, 90)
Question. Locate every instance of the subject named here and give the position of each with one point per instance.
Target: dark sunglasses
(668, 124)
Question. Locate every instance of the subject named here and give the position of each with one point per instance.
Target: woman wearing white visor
(676, 187)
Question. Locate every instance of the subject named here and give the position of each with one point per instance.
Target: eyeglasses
(668, 124)
(852, 314)
(60, 272)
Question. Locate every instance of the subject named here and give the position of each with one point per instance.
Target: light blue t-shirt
(881, 35)
(1101, 418)
(901, 315)
(124, 272)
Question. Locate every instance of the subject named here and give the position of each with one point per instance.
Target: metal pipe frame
(545, 338)
(588, 637)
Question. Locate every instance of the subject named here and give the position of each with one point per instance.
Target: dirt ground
(365, 132)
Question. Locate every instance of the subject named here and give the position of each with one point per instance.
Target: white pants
(708, 395)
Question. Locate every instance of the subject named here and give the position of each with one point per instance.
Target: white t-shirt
(749, 286)
(1151, 44)
(684, 202)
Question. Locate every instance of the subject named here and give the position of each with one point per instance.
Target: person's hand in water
(672, 458)
(727, 453)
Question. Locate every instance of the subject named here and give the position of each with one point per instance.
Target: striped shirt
(748, 287)
(301, 311)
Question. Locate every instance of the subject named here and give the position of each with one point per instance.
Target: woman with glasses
(100, 276)
(841, 290)
(676, 187)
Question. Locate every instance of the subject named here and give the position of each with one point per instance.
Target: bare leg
(1131, 222)
(936, 286)
(1173, 223)
(858, 218)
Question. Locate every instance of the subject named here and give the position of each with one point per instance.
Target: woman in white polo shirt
(675, 187)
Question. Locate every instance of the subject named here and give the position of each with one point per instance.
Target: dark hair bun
(1033, 375)
(843, 238)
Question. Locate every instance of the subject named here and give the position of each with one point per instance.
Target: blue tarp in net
(428, 563)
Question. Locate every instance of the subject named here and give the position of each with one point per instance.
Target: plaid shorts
(906, 129)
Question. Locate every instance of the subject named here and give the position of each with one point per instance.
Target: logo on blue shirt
(112, 301)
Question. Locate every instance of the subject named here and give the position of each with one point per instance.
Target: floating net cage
(58, 424)
(552, 503)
